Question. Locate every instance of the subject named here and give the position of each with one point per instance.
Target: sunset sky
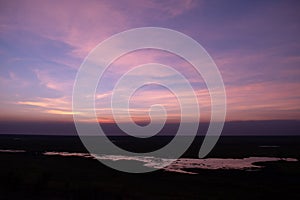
(255, 44)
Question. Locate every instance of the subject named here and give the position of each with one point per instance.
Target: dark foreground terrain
(32, 175)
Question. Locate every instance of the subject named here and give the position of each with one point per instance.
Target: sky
(255, 44)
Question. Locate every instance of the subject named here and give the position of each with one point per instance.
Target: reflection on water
(181, 165)
(11, 151)
(54, 153)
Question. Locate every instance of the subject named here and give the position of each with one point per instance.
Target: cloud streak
(255, 45)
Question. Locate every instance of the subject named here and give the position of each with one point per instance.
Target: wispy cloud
(264, 101)
(51, 82)
(53, 107)
(255, 45)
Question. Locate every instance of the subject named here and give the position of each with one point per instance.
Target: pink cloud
(50, 82)
(263, 101)
(83, 25)
(170, 8)
(14, 80)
